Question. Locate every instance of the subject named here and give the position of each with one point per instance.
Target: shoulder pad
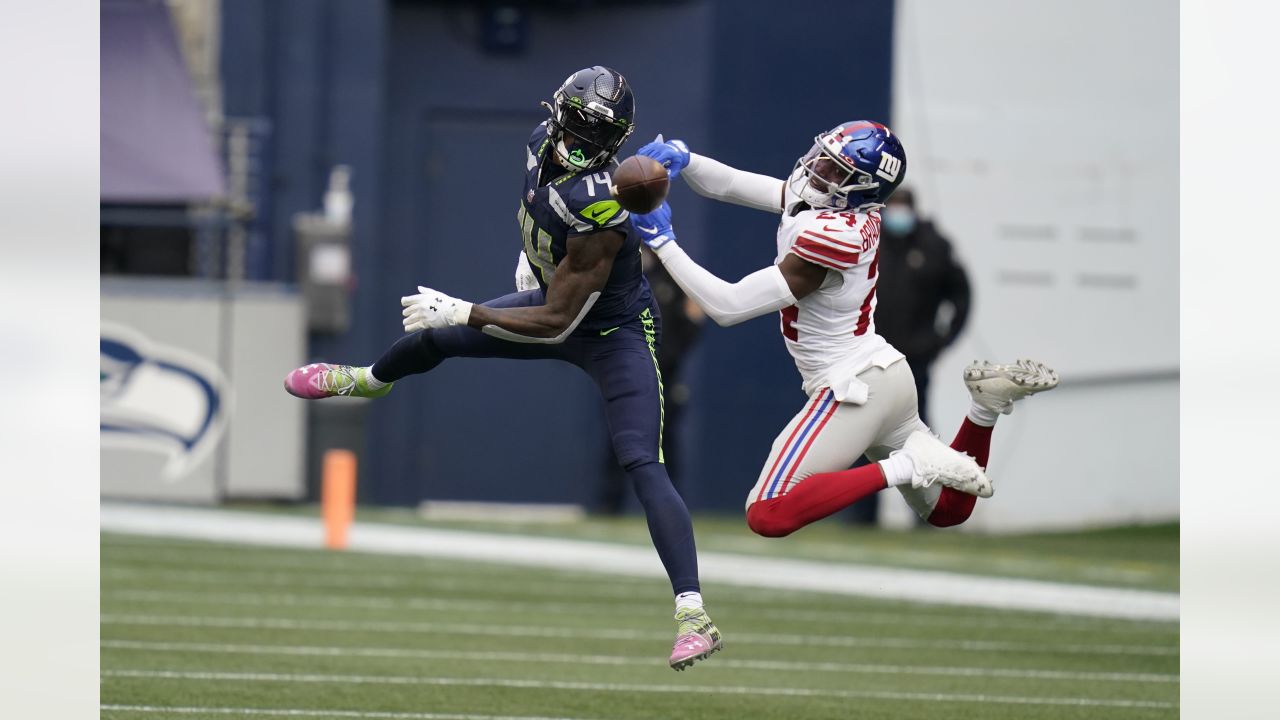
(828, 238)
(585, 203)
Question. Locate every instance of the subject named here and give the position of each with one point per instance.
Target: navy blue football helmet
(592, 114)
(854, 166)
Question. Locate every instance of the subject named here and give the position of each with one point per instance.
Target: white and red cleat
(998, 387)
(933, 461)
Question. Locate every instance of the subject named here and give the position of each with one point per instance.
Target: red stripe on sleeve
(822, 254)
(819, 260)
(835, 241)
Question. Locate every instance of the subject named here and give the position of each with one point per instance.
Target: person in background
(924, 302)
(682, 321)
(924, 290)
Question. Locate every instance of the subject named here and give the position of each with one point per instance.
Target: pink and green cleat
(696, 638)
(322, 380)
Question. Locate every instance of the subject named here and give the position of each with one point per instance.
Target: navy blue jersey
(558, 203)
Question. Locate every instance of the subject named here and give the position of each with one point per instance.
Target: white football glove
(525, 279)
(433, 309)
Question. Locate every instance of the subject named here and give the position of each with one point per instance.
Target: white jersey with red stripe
(831, 333)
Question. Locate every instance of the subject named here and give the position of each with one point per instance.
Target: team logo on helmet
(856, 165)
(889, 168)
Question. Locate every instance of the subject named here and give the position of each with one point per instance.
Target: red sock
(815, 498)
(975, 440)
(954, 507)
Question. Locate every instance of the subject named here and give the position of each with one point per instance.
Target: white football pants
(828, 436)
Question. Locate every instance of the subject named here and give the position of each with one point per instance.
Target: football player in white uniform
(862, 398)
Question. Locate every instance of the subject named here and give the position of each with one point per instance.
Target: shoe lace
(338, 382)
(693, 622)
(934, 473)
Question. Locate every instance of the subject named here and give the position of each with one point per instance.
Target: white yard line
(623, 660)
(629, 688)
(218, 556)
(224, 557)
(132, 546)
(783, 611)
(300, 712)
(593, 633)
(311, 568)
(797, 575)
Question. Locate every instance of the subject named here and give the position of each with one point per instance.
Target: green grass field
(201, 630)
(1141, 557)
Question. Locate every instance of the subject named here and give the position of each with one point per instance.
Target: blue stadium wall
(432, 122)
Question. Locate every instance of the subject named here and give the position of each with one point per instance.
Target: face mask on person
(898, 220)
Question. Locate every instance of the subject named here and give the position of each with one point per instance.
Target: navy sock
(410, 355)
(669, 524)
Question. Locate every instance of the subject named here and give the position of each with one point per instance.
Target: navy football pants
(624, 367)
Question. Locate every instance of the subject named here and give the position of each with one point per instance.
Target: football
(640, 184)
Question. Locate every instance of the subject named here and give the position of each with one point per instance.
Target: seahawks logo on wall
(160, 399)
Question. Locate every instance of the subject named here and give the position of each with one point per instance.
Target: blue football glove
(672, 154)
(655, 227)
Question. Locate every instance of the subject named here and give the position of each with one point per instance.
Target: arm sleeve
(761, 292)
(715, 180)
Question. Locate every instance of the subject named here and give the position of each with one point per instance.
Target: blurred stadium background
(276, 174)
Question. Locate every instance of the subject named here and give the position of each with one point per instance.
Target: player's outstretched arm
(763, 291)
(575, 287)
(713, 179)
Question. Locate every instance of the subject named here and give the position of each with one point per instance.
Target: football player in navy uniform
(591, 306)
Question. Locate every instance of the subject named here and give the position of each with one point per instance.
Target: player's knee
(631, 460)
(765, 519)
(634, 449)
(427, 345)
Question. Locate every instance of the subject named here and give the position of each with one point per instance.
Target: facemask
(898, 220)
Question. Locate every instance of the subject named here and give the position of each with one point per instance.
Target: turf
(1138, 557)
(221, 631)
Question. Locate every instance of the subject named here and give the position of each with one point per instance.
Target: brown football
(640, 184)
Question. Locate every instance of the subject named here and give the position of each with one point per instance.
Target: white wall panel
(1043, 139)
